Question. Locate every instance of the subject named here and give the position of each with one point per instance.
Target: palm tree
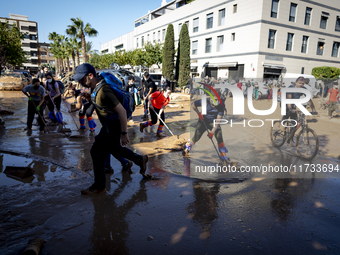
(89, 49)
(55, 48)
(80, 30)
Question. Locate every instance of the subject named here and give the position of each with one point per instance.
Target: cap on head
(82, 70)
(335, 83)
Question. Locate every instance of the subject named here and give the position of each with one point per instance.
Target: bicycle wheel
(307, 144)
(277, 135)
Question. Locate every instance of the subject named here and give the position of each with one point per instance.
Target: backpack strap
(94, 96)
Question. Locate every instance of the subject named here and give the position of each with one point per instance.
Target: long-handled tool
(60, 117)
(164, 123)
(214, 144)
(71, 114)
(42, 119)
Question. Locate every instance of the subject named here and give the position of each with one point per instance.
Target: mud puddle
(43, 171)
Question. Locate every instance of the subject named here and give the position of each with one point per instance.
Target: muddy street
(184, 209)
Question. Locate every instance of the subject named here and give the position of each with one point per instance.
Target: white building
(246, 38)
(30, 42)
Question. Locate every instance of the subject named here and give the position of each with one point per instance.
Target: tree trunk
(78, 58)
(56, 66)
(68, 64)
(83, 46)
(73, 62)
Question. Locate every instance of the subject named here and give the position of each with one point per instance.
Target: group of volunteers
(44, 91)
(112, 113)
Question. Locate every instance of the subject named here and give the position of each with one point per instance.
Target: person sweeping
(159, 100)
(35, 93)
(86, 108)
(206, 123)
(53, 93)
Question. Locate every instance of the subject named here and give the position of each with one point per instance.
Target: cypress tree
(169, 53)
(184, 56)
(176, 76)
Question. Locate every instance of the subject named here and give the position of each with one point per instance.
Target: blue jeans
(108, 142)
(107, 160)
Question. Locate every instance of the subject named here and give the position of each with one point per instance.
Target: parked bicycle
(306, 141)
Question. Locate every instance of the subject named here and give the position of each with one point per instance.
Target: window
(32, 29)
(187, 23)
(24, 28)
(44, 61)
(137, 44)
(33, 37)
(119, 47)
(208, 45)
(194, 47)
(323, 21)
(44, 54)
(289, 44)
(25, 45)
(163, 35)
(51, 54)
(308, 15)
(159, 36)
(292, 12)
(142, 41)
(154, 37)
(234, 8)
(319, 50)
(52, 62)
(275, 7)
(210, 20)
(304, 44)
(271, 39)
(34, 54)
(221, 17)
(232, 37)
(33, 45)
(335, 49)
(220, 40)
(26, 36)
(179, 28)
(195, 25)
(148, 38)
(337, 24)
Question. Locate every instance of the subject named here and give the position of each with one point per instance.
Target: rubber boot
(82, 122)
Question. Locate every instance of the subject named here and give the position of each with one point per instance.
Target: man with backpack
(333, 94)
(113, 136)
(149, 88)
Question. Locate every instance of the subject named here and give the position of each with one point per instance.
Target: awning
(272, 66)
(222, 64)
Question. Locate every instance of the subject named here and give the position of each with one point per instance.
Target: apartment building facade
(30, 41)
(246, 39)
(44, 54)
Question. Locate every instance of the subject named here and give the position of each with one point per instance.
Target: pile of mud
(172, 144)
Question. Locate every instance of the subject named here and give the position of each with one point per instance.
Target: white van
(313, 87)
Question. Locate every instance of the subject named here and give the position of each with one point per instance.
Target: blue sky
(110, 18)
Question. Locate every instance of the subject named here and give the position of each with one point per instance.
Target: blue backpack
(116, 85)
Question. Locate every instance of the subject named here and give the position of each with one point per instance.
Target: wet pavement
(208, 214)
